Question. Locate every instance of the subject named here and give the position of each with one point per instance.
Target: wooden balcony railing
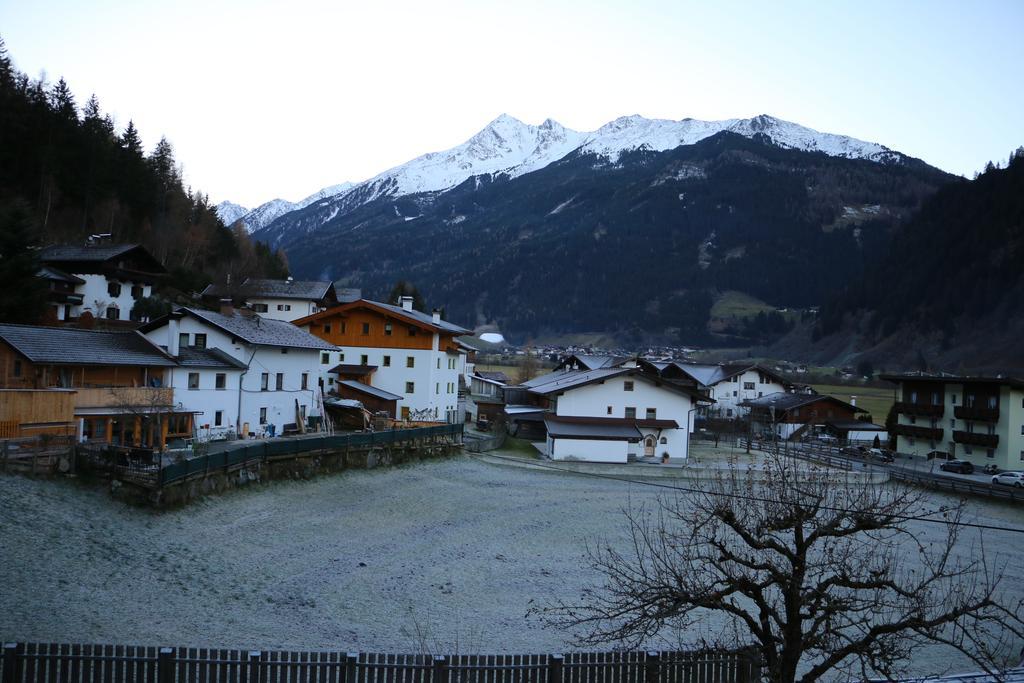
(976, 439)
(919, 432)
(921, 409)
(124, 397)
(976, 413)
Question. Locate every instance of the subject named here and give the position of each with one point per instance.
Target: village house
(397, 349)
(978, 419)
(240, 372)
(730, 385)
(286, 299)
(793, 415)
(106, 279)
(613, 413)
(117, 381)
(485, 401)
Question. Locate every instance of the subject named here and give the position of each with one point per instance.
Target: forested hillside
(641, 248)
(67, 172)
(950, 291)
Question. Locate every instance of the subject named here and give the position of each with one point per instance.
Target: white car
(1009, 479)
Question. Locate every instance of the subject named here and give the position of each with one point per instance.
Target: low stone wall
(291, 467)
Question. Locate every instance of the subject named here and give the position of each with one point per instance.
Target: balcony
(919, 432)
(976, 439)
(126, 399)
(920, 409)
(976, 413)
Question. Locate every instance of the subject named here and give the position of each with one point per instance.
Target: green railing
(261, 450)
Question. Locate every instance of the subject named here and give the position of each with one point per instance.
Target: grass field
(875, 400)
(733, 304)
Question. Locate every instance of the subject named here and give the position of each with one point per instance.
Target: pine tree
(6, 68)
(130, 140)
(25, 300)
(62, 102)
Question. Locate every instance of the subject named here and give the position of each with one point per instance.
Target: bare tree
(818, 571)
(528, 366)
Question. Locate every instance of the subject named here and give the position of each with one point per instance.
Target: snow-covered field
(447, 554)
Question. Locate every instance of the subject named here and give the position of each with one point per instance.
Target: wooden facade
(31, 412)
(361, 324)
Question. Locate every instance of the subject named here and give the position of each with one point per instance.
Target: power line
(722, 494)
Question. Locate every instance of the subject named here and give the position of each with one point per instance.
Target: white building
(729, 385)
(612, 414)
(270, 368)
(108, 279)
(286, 299)
(412, 354)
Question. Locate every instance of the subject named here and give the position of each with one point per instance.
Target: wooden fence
(43, 662)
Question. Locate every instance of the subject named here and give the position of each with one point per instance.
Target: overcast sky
(278, 99)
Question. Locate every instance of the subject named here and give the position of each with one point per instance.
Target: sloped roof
(597, 430)
(709, 375)
(191, 357)
(307, 290)
(564, 380)
(371, 391)
(493, 376)
(352, 369)
(251, 328)
(784, 401)
(595, 361)
(1012, 382)
(52, 273)
(97, 254)
(72, 346)
(417, 317)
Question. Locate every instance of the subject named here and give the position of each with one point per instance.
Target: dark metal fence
(39, 662)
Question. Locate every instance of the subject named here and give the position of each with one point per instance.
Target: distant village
(272, 359)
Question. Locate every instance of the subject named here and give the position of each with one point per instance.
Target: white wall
(96, 299)
(280, 405)
(207, 399)
(591, 451)
(435, 389)
(286, 309)
(593, 400)
(729, 393)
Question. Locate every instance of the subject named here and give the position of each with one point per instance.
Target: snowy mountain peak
(268, 212)
(229, 212)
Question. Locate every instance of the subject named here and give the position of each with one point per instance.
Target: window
(113, 313)
(259, 308)
(610, 412)
(366, 328)
(284, 349)
(728, 412)
(664, 440)
(200, 340)
(993, 402)
(263, 416)
(17, 373)
(627, 385)
(630, 412)
(952, 423)
(410, 387)
(305, 380)
(652, 413)
(952, 399)
(114, 289)
(284, 307)
(410, 361)
(968, 450)
(748, 386)
(264, 381)
(325, 358)
(760, 394)
(183, 339)
(279, 381)
(1022, 456)
(438, 363)
(218, 418)
(412, 331)
(137, 291)
(193, 380)
(327, 328)
(387, 361)
(935, 398)
(913, 419)
(1021, 427)
(387, 329)
(220, 380)
(437, 387)
(913, 397)
(734, 392)
(364, 359)
(990, 453)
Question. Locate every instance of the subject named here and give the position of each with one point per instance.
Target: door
(649, 447)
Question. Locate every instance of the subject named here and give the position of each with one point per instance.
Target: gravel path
(447, 555)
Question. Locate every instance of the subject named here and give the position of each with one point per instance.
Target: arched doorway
(649, 443)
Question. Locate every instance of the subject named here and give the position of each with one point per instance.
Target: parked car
(880, 455)
(1009, 479)
(827, 438)
(961, 466)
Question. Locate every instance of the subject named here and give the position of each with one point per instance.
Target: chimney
(436, 316)
(853, 401)
(227, 307)
(172, 337)
(405, 302)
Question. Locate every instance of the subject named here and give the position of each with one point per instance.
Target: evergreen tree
(130, 140)
(405, 288)
(24, 299)
(62, 102)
